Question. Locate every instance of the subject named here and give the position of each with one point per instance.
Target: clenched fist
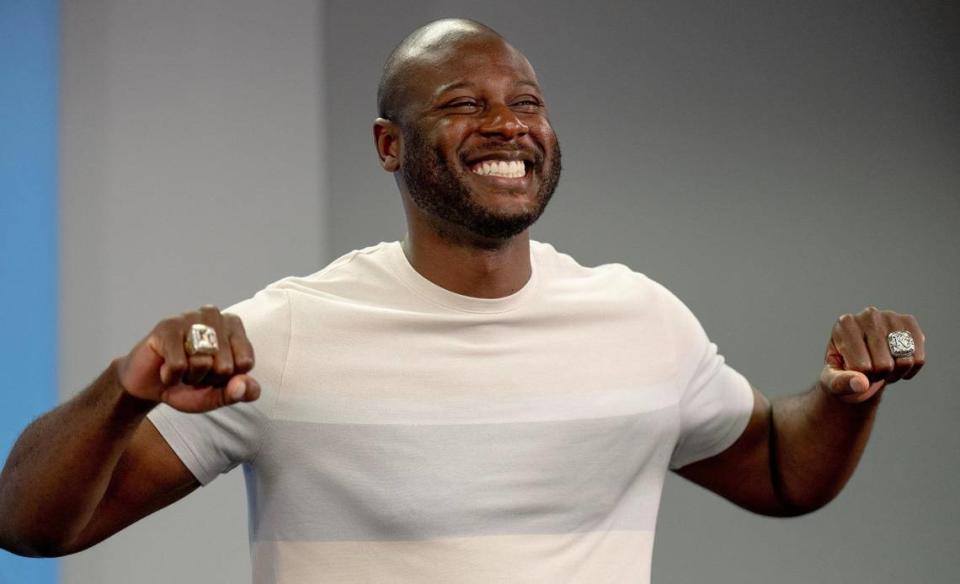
(859, 361)
(159, 368)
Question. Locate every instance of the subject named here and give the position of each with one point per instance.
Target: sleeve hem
(744, 407)
(180, 445)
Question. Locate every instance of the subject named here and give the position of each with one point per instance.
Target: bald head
(415, 51)
(455, 100)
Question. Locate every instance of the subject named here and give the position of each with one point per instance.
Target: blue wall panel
(29, 41)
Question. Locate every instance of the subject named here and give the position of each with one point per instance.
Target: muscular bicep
(149, 476)
(742, 472)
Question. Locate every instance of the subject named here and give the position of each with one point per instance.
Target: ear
(386, 137)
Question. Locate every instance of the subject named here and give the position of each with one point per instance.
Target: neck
(469, 267)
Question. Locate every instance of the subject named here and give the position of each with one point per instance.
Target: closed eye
(528, 104)
(462, 104)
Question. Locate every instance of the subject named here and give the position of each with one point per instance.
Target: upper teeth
(507, 168)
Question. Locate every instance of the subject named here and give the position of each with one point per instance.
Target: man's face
(478, 150)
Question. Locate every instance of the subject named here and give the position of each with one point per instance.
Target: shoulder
(637, 301)
(344, 277)
(611, 281)
(358, 265)
(355, 277)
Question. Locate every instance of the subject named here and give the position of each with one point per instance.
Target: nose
(502, 121)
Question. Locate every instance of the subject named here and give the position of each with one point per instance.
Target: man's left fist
(859, 360)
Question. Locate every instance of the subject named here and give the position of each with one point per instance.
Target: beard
(442, 193)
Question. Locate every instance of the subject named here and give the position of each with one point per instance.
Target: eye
(528, 104)
(462, 105)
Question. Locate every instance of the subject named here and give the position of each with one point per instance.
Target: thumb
(842, 381)
(240, 388)
(851, 387)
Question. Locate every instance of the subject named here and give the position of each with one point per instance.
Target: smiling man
(463, 126)
(463, 406)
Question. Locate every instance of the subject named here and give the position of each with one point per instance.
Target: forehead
(468, 62)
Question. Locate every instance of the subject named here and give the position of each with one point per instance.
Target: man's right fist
(160, 369)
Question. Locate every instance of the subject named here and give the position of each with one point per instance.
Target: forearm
(816, 442)
(61, 465)
(798, 452)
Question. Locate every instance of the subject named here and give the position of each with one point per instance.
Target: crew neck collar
(423, 287)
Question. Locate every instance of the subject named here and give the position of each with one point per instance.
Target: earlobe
(386, 137)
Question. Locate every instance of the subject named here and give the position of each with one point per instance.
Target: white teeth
(504, 168)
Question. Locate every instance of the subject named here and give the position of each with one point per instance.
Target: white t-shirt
(409, 434)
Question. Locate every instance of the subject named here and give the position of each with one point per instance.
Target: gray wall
(192, 173)
(775, 164)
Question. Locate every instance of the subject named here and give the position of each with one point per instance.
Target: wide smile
(505, 172)
(509, 169)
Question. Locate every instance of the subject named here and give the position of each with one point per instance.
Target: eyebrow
(462, 84)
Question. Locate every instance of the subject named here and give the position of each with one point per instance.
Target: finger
(194, 400)
(223, 365)
(848, 339)
(875, 325)
(843, 381)
(919, 339)
(139, 372)
(170, 342)
(197, 369)
(243, 358)
(904, 365)
(198, 364)
(242, 388)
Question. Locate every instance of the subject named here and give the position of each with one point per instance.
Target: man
(464, 406)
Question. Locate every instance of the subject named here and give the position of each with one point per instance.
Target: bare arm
(95, 465)
(798, 452)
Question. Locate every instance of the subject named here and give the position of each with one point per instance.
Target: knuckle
(176, 364)
(884, 367)
(236, 322)
(169, 323)
(201, 361)
(871, 318)
(844, 321)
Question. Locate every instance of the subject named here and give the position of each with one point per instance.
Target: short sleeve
(212, 443)
(716, 401)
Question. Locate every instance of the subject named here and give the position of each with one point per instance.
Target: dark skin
(481, 92)
(118, 467)
(794, 456)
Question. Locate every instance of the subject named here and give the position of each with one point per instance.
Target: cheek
(543, 133)
(453, 132)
